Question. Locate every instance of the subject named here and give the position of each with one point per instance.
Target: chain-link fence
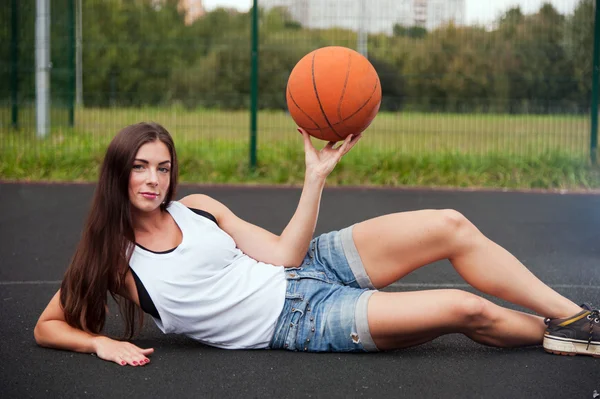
(515, 87)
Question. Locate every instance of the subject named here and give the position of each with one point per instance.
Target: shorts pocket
(296, 316)
(307, 331)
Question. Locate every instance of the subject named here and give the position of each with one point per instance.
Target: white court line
(450, 285)
(395, 285)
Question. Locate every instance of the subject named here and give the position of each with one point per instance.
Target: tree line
(141, 53)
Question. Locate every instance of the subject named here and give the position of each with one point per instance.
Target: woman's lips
(150, 195)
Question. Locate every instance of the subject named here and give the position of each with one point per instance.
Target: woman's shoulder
(203, 203)
(196, 201)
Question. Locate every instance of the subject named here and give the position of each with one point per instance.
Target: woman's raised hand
(321, 163)
(121, 352)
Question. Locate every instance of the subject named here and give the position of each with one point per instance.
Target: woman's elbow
(41, 334)
(293, 260)
(38, 334)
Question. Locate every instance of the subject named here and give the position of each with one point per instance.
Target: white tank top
(208, 289)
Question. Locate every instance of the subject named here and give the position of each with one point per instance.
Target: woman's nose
(152, 177)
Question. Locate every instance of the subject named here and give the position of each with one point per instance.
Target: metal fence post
(595, 85)
(14, 66)
(254, 85)
(71, 61)
(42, 67)
(78, 59)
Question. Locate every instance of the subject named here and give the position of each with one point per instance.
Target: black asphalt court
(555, 235)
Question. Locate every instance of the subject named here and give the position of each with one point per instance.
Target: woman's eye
(164, 170)
(138, 167)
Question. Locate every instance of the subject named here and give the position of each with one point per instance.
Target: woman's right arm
(52, 331)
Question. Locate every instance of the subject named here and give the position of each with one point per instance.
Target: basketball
(333, 92)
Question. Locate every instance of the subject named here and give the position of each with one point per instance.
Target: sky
(488, 11)
(478, 11)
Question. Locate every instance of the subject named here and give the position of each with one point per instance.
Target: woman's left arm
(289, 248)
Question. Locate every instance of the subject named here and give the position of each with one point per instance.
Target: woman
(201, 271)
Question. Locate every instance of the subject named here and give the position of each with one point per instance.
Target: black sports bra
(145, 301)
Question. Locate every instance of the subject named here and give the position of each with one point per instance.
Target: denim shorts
(326, 300)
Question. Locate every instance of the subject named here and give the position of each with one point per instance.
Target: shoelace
(594, 318)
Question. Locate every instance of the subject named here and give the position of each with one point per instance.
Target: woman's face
(150, 176)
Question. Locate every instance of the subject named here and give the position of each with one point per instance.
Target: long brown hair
(101, 260)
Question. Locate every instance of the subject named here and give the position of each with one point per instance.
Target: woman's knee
(459, 230)
(476, 313)
(452, 219)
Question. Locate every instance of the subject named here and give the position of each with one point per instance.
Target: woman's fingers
(345, 147)
(121, 352)
(356, 138)
(134, 360)
(322, 162)
(307, 142)
(348, 144)
(138, 356)
(133, 356)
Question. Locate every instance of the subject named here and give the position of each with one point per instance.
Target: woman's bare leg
(392, 246)
(403, 319)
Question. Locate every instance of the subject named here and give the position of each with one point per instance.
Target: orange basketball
(333, 92)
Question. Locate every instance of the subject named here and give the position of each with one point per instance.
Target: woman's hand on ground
(322, 162)
(121, 352)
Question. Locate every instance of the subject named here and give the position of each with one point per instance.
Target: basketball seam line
(365, 104)
(358, 110)
(344, 88)
(319, 100)
(301, 110)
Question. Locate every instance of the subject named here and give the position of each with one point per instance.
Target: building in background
(420, 13)
(193, 10)
(441, 12)
(376, 16)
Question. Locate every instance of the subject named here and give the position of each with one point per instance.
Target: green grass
(398, 149)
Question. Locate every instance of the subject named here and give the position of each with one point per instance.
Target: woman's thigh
(403, 319)
(394, 245)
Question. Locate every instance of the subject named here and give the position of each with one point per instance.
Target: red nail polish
(123, 363)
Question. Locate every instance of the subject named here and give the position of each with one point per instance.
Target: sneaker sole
(565, 347)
